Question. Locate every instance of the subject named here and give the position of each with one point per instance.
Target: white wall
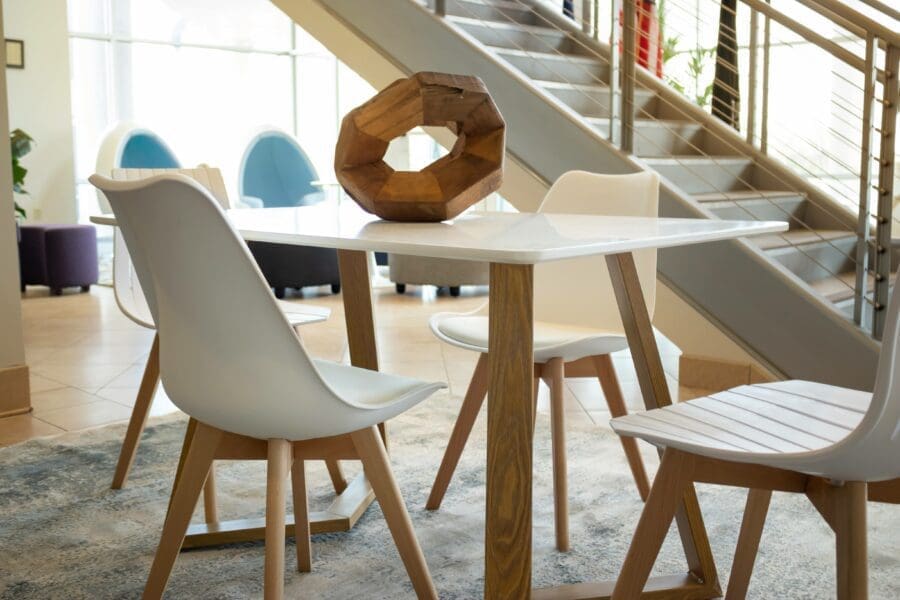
(40, 103)
(12, 351)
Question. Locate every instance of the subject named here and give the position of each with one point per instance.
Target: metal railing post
(865, 187)
(890, 97)
(764, 116)
(614, 74)
(754, 69)
(629, 55)
(440, 8)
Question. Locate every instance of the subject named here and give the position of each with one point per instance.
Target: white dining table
(513, 243)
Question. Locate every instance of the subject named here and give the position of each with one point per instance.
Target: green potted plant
(20, 144)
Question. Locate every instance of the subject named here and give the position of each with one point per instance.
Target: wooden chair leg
(378, 470)
(139, 414)
(659, 511)
(301, 515)
(203, 444)
(850, 534)
(748, 543)
(537, 390)
(556, 377)
(279, 457)
(468, 412)
(609, 383)
(337, 476)
(210, 511)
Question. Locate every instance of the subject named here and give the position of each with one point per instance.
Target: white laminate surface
(515, 238)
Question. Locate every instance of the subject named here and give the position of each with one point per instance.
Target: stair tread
(524, 27)
(604, 121)
(510, 4)
(841, 286)
(580, 58)
(724, 159)
(585, 87)
(740, 195)
(801, 236)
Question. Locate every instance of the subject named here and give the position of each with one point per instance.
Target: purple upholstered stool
(58, 256)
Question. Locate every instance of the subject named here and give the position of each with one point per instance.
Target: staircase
(786, 297)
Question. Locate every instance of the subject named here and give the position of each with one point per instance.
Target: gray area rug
(65, 534)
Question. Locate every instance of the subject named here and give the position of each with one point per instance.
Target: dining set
(569, 285)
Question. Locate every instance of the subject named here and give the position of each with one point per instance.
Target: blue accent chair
(146, 150)
(275, 172)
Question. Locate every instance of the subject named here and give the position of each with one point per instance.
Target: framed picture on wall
(15, 54)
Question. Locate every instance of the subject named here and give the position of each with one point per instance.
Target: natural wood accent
(442, 190)
(668, 487)
(301, 516)
(655, 390)
(609, 383)
(210, 511)
(468, 412)
(510, 432)
(341, 515)
(665, 587)
(358, 314)
(885, 491)
(377, 468)
(841, 504)
(748, 543)
(556, 381)
(850, 535)
(278, 464)
(15, 393)
(201, 449)
(204, 444)
(139, 414)
(337, 476)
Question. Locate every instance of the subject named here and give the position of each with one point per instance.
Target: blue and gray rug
(64, 534)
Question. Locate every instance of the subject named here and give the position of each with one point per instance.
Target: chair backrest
(276, 170)
(129, 146)
(872, 451)
(578, 292)
(228, 356)
(126, 285)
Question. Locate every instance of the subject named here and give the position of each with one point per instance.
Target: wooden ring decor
(442, 190)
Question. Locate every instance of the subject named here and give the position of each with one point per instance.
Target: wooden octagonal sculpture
(472, 169)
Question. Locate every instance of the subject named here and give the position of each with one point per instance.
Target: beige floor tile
(64, 397)
(23, 427)
(99, 412)
(89, 378)
(39, 384)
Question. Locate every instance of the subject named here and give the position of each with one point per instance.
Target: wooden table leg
(655, 390)
(510, 432)
(701, 580)
(356, 289)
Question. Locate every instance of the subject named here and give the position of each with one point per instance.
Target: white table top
(513, 238)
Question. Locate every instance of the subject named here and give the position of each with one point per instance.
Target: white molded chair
(131, 301)
(836, 445)
(576, 327)
(248, 382)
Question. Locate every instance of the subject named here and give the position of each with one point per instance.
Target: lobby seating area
(459, 299)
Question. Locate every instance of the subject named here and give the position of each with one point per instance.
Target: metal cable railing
(699, 176)
(624, 77)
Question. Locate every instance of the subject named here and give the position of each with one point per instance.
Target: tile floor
(86, 358)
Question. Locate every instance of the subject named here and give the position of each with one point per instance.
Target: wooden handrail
(876, 28)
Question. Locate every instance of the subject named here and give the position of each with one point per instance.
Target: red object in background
(648, 36)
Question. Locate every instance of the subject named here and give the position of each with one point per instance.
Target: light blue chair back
(146, 150)
(277, 171)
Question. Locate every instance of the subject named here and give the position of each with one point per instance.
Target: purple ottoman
(58, 256)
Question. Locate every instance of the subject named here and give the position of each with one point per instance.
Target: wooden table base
(665, 587)
(342, 515)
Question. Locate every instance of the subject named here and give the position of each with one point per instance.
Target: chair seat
(302, 314)
(550, 340)
(382, 395)
(775, 424)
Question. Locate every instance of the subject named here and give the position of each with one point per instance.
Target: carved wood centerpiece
(442, 190)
